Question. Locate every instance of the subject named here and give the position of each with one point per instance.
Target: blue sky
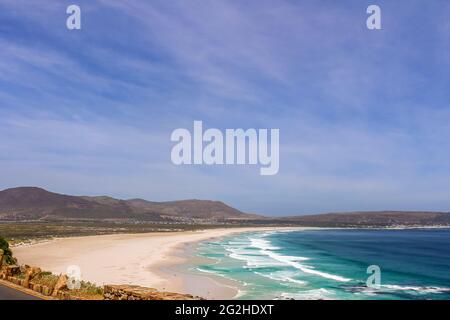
(364, 116)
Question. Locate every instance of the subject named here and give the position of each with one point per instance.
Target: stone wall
(23, 276)
(128, 292)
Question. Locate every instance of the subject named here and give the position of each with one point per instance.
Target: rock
(60, 285)
(37, 288)
(30, 273)
(61, 295)
(46, 291)
(9, 271)
(14, 280)
(125, 292)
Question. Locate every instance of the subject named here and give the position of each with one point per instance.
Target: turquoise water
(332, 264)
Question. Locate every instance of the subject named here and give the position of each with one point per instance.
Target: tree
(7, 253)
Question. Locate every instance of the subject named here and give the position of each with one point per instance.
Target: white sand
(141, 259)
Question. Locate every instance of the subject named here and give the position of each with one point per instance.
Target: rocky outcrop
(28, 277)
(8, 271)
(29, 274)
(50, 286)
(128, 292)
(60, 285)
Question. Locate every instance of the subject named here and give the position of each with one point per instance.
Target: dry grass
(46, 278)
(88, 291)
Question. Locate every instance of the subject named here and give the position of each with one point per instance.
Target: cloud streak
(363, 116)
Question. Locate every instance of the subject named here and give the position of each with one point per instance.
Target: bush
(46, 278)
(7, 253)
(88, 291)
(90, 288)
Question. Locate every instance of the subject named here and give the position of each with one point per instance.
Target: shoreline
(181, 271)
(159, 260)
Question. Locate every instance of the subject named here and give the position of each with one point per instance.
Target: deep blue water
(332, 264)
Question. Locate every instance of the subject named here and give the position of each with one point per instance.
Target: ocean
(333, 263)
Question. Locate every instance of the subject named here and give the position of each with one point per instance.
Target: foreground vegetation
(64, 287)
(36, 279)
(5, 253)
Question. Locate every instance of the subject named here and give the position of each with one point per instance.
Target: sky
(364, 115)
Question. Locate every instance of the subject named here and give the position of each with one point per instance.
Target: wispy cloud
(363, 115)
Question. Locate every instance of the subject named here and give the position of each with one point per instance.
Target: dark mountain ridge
(31, 203)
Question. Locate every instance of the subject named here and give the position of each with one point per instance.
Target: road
(12, 294)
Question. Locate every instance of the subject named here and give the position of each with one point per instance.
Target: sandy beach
(156, 260)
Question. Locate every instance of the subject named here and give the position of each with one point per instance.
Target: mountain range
(31, 203)
(373, 219)
(36, 204)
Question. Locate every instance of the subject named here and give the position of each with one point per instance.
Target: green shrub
(90, 288)
(7, 253)
(88, 291)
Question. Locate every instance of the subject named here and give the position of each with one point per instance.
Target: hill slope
(30, 203)
(205, 209)
(374, 218)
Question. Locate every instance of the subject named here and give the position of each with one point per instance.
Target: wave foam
(424, 290)
(267, 248)
(315, 294)
(281, 277)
